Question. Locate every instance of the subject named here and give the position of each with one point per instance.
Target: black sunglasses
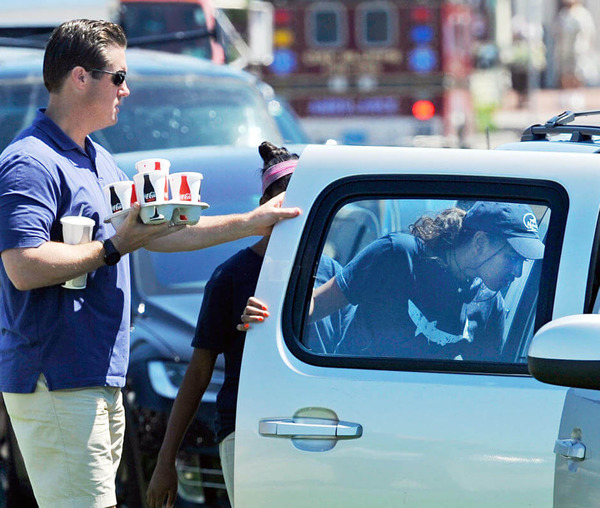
(118, 78)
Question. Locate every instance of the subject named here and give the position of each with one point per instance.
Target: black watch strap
(111, 254)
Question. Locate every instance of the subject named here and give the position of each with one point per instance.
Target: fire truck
(375, 72)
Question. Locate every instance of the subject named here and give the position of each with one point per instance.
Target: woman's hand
(163, 486)
(255, 312)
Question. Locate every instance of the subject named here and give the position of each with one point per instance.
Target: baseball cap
(514, 221)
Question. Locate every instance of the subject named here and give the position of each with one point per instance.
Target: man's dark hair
(79, 42)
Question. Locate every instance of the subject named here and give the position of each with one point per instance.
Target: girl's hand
(255, 312)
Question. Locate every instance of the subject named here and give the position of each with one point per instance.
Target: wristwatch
(111, 254)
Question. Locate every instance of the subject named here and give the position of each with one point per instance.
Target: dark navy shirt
(225, 297)
(411, 306)
(76, 338)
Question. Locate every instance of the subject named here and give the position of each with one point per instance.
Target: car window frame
(345, 190)
(592, 292)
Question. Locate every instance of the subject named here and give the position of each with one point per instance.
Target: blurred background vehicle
(176, 101)
(375, 73)
(469, 73)
(151, 22)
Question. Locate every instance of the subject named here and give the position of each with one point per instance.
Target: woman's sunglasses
(118, 77)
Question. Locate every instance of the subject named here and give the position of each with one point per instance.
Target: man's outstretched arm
(215, 230)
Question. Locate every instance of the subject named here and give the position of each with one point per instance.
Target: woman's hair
(272, 155)
(79, 42)
(441, 231)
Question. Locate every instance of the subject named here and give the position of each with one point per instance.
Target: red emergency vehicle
(375, 72)
(178, 26)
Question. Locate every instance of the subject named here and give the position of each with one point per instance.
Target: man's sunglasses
(118, 78)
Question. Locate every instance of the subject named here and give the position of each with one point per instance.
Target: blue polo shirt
(76, 338)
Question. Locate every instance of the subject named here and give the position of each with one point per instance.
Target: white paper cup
(152, 165)
(151, 187)
(147, 165)
(185, 186)
(120, 195)
(76, 230)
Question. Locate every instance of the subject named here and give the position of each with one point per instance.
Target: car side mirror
(566, 352)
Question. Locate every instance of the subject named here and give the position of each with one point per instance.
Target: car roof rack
(559, 124)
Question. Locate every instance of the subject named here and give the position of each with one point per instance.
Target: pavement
(510, 120)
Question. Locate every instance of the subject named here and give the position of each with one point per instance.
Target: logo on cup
(185, 194)
(115, 202)
(149, 193)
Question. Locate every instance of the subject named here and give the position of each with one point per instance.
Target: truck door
(324, 420)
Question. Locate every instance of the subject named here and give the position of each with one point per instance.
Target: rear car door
(323, 425)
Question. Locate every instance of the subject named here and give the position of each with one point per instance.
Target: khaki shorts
(71, 441)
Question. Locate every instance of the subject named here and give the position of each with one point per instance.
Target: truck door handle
(309, 428)
(570, 449)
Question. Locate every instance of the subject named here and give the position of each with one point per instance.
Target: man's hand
(263, 218)
(134, 234)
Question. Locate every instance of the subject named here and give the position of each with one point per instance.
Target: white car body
(430, 437)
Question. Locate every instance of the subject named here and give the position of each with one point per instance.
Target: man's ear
(79, 77)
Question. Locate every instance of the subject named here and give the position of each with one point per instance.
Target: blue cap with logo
(514, 221)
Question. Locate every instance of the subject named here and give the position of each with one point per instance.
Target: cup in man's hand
(76, 230)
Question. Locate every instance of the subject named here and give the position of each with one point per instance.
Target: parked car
(202, 117)
(176, 101)
(322, 428)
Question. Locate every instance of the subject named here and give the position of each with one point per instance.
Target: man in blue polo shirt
(64, 352)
